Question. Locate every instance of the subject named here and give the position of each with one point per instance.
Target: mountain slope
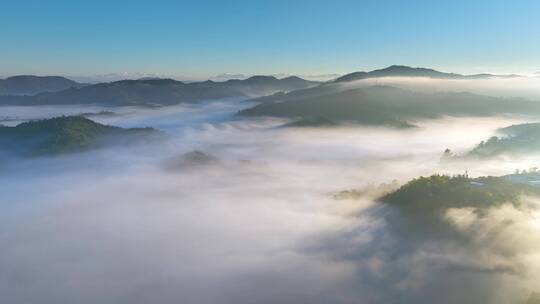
(161, 91)
(512, 140)
(425, 201)
(383, 105)
(439, 192)
(64, 135)
(31, 85)
(392, 71)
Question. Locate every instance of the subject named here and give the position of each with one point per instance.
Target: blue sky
(204, 38)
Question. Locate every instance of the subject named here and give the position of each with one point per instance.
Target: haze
(158, 169)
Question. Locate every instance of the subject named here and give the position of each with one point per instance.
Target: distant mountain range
(333, 86)
(406, 71)
(31, 85)
(36, 90)
(161, 91)
(332, 103)
(111, 77)
(382, 105)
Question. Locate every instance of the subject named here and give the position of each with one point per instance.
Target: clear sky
(204, 38)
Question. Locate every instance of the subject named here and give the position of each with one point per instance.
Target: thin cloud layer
(260, 226)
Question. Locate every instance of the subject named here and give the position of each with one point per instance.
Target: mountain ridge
(407, 71)
(162, 91)
(385, 105)
(31, 84)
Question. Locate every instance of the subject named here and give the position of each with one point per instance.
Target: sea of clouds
(260, 226)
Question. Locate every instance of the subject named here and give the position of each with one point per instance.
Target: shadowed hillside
(437, 193)
(513, 140)
(31, 85)
(65, 134)
(384, 105)
(161, 91)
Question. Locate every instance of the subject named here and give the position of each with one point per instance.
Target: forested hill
(66, 134)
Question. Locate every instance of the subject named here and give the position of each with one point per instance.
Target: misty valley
(398, 185)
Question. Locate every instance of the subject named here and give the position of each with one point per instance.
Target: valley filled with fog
(228, 208)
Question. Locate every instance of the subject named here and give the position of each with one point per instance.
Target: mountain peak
(152, 81)
(294, 78)
(261, 78)
(405, 71)
(404, 68)
(399, 67)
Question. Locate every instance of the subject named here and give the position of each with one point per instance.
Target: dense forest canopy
(64, 134)
(437, 193)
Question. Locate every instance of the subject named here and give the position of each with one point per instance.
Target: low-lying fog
(261, 226)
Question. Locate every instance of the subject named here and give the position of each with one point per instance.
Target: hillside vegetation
(440, 192)
(383, 105)
(64, 135)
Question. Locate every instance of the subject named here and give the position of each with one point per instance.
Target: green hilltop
(65, 134)
(422, 203)
(440, 192)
